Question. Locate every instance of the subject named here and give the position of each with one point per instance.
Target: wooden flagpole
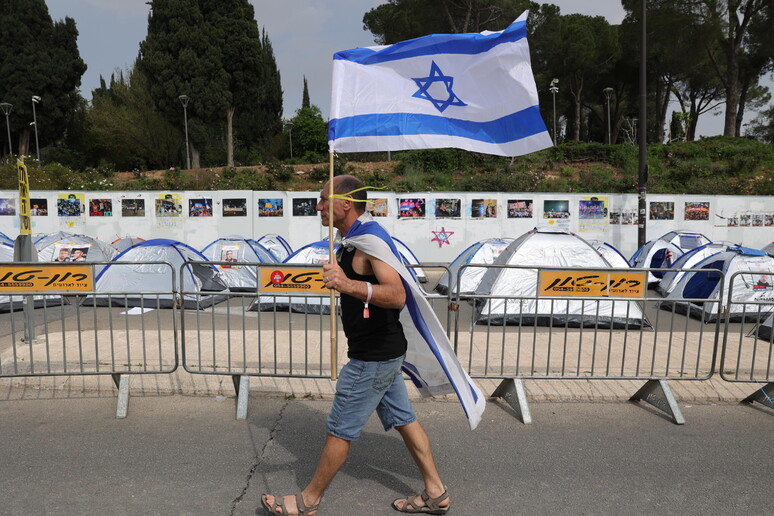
(331, 259)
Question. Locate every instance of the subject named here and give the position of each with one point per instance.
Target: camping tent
(755, 286)
(75, 248)
(611, 254)
(5, 239)
(769, 249)
(41, 240)
(278, 246)
(518, 287)
(482, 252)
(150, 285)
(687, 261)
(655, 254)
(764, 329)
(239, 278)
(122, 244)
(316, 253)
(685, 240)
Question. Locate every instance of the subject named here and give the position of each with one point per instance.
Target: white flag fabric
(470, 91)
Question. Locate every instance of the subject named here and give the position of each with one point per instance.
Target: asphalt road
(188, 455)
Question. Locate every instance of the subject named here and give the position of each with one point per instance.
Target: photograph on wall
(235, 207)
(169, 205)
(757, 220)
(662, 211)
(615, 217)
(732, 221)
(411, 208)
(132, 207)
(483, 208)
(100, 208)
(230, 253)
(745, 219)
(697, 210)
(519, 208)
(39, 207)
(768, 219)
(270, 207)
(7, 206)
(556, 209)
(305, 207)
(628, 217)
(448, 208)
(70, 205)
(200, 207)
(377, 207)
(594, 208)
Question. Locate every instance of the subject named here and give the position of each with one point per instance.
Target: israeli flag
(470, 91)
(430, 360)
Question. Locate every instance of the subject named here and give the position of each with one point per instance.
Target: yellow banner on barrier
(308, 281)
(593, 283)
(40, 278)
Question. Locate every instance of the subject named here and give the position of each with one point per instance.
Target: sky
(304, 42)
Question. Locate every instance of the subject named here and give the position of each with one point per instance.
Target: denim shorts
(363, 387)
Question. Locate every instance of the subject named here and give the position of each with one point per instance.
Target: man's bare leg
(418, 445)
(333, 455)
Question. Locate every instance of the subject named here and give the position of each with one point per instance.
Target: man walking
(372, 296)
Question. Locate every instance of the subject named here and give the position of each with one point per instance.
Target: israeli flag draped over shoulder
(470, 91)
(430, 360)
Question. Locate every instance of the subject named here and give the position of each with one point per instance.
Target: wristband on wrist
(370, 288)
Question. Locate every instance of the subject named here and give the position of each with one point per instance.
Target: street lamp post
(35, 100)
(608, 92)
(184, 101)
(554, 89)
(6, 107)
(289, 125)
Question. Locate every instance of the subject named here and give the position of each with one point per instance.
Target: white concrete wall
(427, 236)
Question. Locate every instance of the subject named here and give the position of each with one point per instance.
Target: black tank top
(380, 337)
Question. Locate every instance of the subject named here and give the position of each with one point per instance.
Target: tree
(762, 128)
(305, 99)
(399, 20)
(126, 131)
(735, 24)
(579, 50)
(310, 134)
(38, 57)
(213, 52)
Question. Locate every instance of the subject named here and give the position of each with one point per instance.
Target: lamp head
(183, 100)
(6, 107)
(36, 99)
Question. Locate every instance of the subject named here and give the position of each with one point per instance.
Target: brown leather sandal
(431, 504)
(303, 510)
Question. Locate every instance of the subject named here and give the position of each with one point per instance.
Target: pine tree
(305, 100)
(38, 57)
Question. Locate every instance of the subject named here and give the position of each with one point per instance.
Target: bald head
(347, 185)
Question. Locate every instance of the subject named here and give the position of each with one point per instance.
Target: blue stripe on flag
(436, 44)
(515, 126)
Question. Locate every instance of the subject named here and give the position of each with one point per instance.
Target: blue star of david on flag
(436, 75)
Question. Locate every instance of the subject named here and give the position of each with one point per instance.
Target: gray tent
(132, 281)
(483, 252)
(518, 287)
(238, 277)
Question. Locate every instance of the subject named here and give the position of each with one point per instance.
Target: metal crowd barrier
(242, 330)
(581, 337)
(254, 332)
(92, 332)
(748, 340)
